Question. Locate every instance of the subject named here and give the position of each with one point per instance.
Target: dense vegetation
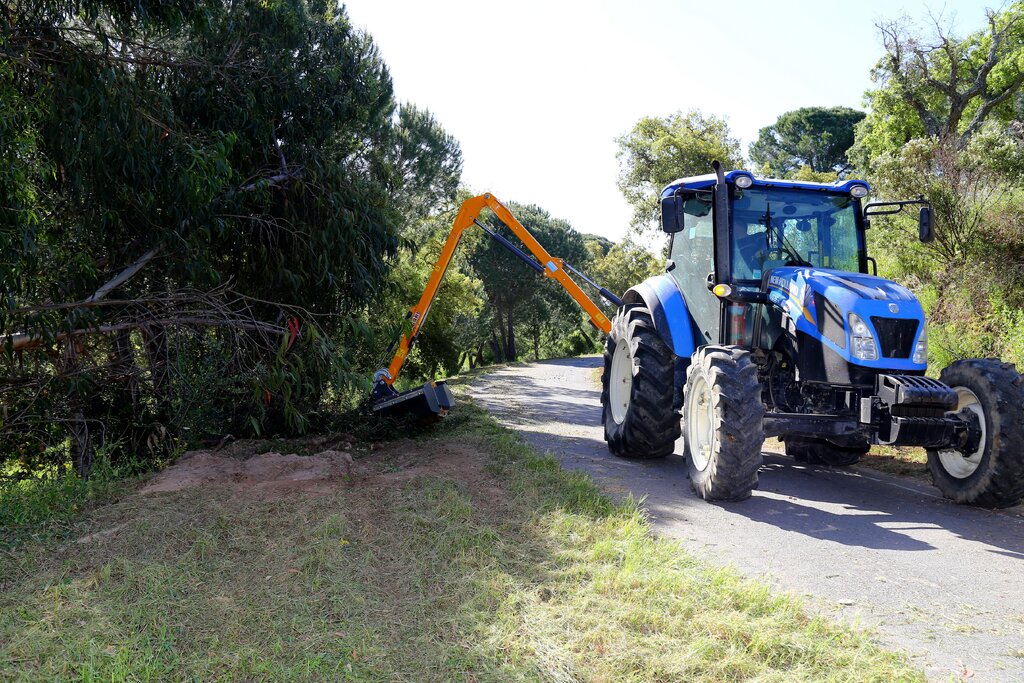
(214, 214)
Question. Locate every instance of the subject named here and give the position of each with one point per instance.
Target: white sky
(537, 91)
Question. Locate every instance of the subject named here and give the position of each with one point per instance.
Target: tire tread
(651, 426)
(732, 473)
(999, 480)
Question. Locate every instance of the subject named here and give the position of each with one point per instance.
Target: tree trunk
(502, 348)
(510, 345)
(124, 363)
(78, 426)
(81, 445)
(536, 343)
(158, 354)
(496, 349)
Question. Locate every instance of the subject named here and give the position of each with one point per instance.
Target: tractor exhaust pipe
(723, 265)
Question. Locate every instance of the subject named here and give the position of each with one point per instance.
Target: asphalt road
(943, 582)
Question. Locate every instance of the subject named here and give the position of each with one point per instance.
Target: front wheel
(992, 474)
(723, 423)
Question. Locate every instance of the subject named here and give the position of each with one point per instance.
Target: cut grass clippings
(502, 568)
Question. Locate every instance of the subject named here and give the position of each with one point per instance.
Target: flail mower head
(433, 399)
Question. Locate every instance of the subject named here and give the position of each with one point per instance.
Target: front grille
(896, 335)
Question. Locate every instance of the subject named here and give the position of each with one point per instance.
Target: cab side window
(693, 252)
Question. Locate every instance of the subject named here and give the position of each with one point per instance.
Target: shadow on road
(842, 506)
(853, 509)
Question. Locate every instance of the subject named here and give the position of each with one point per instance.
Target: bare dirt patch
(274, 475)
(267, 475)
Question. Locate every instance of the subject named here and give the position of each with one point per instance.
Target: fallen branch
(122, 277)
(274, 181)
(22, 341)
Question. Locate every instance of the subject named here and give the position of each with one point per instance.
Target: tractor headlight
(862, 342)
(921, 349)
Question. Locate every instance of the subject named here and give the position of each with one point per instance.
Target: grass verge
(493, 564)
(901, 461)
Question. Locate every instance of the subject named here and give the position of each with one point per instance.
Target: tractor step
(433, 398)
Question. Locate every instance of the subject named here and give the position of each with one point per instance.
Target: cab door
(692, 254)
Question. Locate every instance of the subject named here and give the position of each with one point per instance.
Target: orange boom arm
(552, 267)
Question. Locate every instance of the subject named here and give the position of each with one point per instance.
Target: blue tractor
(767, 323)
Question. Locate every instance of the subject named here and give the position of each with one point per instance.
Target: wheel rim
(963, 465)
(700, 423)
(620, 381)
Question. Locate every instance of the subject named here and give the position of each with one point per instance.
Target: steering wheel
(783, 254)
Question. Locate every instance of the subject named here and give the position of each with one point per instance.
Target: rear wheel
(820, 451)
(636, 388)
(992, 473)
(722, 420)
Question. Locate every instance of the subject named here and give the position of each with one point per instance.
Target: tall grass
(49, 501)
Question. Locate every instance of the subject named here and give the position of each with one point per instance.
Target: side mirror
(672, 214)
(924, 225)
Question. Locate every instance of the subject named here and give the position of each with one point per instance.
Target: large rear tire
(636, 388)
(822, 452)
(723, 423)
(992, 475)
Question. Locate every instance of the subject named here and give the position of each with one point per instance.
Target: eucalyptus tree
(195, 197)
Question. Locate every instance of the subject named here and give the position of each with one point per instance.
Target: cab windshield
(780, 227)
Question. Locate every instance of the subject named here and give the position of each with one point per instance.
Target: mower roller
(434, 398)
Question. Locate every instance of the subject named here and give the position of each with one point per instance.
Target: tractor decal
(793, 299)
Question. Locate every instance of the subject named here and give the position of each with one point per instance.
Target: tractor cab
(768, 322)
(757, 258)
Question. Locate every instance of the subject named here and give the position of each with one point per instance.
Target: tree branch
(275, 181)
(122, 277)
(989, 103)
(21, 340)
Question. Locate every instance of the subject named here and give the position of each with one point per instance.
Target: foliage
(231, 180)
(939, 128)
(597, 245)
(518, 296)
(489, 300)
(626, 264)
(659, 150)
(815, 138)
(971, 277)
(806, 174)
(458, 320)
(52, 502)
(940, 85)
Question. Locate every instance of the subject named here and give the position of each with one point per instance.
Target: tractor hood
(820, 301)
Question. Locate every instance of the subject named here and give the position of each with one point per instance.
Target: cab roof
(707, 181)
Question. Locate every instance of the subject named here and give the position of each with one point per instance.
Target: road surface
(943, 582)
